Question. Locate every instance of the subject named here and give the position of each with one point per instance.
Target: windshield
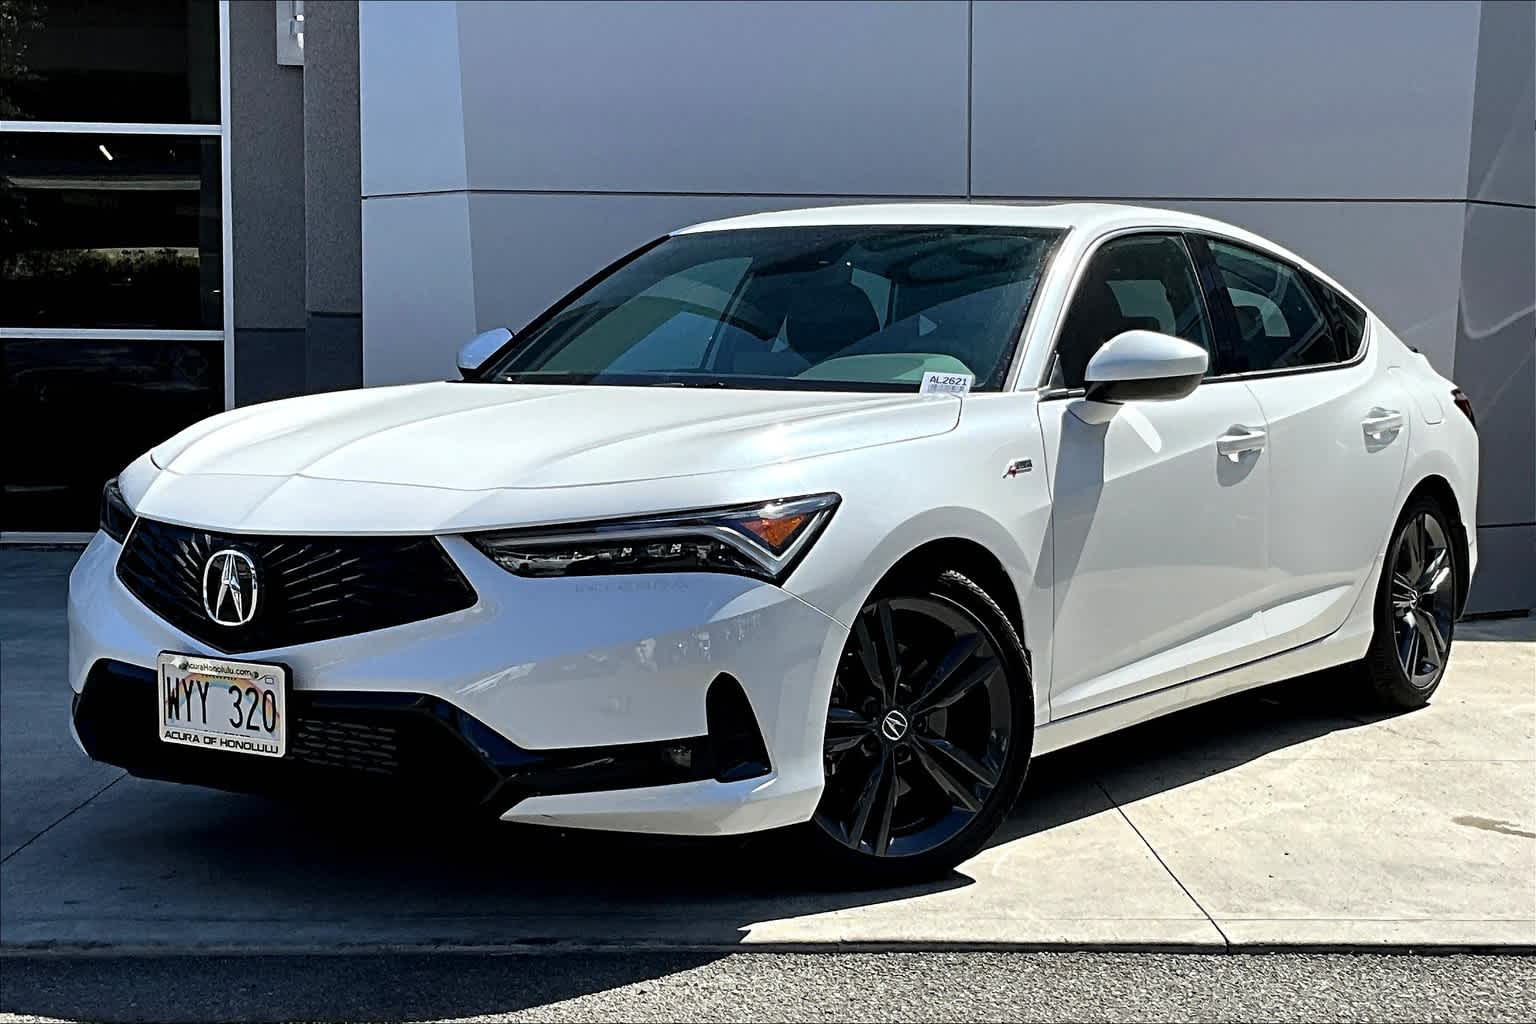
(836, 308)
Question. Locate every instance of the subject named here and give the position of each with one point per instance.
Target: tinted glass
(110, 60)
(1348, 319)
(861, 308)
(76, 412)
(1279, 323)
(1139, 282)
(109, 231)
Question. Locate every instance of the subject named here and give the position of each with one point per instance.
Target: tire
(1416, 603)
(921, 773)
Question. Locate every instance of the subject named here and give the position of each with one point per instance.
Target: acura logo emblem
(230, 588)
(894, 725)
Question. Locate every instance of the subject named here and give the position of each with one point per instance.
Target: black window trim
(1045, 391)
(1026, 323)
(1210, 278)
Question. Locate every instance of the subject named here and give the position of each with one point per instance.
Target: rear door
(1338, 431)
(1158, 537)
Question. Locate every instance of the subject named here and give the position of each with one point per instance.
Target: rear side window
(1280, 322)
(1348, 319)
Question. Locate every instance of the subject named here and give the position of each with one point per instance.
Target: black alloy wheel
(1415, 610)
(1422, 591)
(928, 730)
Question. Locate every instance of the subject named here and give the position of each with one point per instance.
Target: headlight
(116, 516)
(763, 540)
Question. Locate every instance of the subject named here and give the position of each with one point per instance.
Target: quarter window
(1139, 282)
(1279, 323)
(1348, 319)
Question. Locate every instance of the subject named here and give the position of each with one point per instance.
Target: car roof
(1049, 215)
(1093, 219)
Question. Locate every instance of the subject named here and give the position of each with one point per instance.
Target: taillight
(1464, 404)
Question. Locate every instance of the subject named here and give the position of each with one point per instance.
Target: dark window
(76, 412)
(861, 308)
(1279, 323)
(668, 327)
(153, 61)
(111, 231)
(1139, 282)
(1347, 318)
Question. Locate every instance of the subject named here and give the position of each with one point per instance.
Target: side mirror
(477, 351)
(1144, 366)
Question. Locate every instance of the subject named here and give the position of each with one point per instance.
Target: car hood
(477, 437)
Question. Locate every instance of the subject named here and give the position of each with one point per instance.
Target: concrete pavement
(1281, 818)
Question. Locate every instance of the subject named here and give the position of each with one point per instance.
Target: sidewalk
(1273, 819)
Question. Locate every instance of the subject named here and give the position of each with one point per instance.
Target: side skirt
(1345, 645)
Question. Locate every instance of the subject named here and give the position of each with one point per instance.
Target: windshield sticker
(946, 383)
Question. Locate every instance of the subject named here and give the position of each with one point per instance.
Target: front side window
(837, 307)
(1137, 282)
(1279, 323)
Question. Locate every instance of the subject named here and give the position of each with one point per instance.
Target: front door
(1159, 524)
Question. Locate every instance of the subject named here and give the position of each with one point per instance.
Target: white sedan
(828, 519)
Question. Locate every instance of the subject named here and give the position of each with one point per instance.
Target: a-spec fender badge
(1016, 467)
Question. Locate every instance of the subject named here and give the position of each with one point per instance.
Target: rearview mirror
(477, 351)
(1144, 366)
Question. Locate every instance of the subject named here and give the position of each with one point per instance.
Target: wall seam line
(939, 197)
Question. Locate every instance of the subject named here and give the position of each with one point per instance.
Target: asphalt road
(572, 986)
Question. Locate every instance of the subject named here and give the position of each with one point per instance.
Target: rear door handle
(1379, 423)
(1239, 441)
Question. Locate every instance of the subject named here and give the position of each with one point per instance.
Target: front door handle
(1239, 441)
(1381, 424)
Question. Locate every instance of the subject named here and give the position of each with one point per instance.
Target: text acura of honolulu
(825, 521)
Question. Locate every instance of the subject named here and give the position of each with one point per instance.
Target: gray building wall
(297, 218)
(509, 150)
(266, 145)
(1495, 355)
(333, 225)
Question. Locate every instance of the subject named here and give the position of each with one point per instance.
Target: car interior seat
(1095, 318)
(826, 317)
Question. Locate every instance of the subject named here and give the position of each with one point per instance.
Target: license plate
(216, 704)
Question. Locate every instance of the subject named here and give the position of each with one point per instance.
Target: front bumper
(579, 702)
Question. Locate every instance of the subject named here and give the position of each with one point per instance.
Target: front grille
(309, 588)
(359, 746)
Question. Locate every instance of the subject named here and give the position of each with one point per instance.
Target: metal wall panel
(776, 97)
(1219, 100)
(412, 115)
(418, 286)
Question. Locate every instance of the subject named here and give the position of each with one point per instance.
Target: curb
(540, 947)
